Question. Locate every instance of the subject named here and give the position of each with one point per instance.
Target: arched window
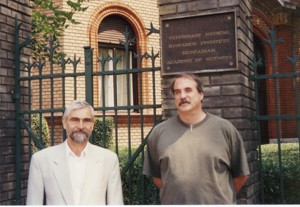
(112, 29)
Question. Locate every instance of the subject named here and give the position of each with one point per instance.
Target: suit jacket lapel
(62, 174)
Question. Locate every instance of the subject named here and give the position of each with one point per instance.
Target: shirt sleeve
(151, 161)
(239, 163)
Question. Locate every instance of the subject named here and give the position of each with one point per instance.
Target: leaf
(49, 19)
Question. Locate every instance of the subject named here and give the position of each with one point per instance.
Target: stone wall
(227, 94)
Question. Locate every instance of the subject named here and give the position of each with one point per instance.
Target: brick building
(101, 27)
(283, 17)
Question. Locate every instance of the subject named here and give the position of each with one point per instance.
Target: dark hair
(189, 76)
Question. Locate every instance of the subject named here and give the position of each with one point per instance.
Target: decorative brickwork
(136, 21)
(139, 16)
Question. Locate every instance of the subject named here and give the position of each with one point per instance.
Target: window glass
(123, 83)
(119, 93)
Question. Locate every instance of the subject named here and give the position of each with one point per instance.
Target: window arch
(123, 15)
(111, 31)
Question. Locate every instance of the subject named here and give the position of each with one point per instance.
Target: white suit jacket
(49, 177)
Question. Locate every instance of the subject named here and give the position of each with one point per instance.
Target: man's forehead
(184, 82)
(82, 112)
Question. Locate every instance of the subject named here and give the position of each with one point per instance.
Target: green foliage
(290, 169)
(42, 134)
(103, 132)
(137, 188)
(48, 20)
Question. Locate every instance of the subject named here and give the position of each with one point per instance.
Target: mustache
(183, 101)
(76, 130)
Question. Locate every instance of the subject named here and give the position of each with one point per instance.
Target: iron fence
(45, 85)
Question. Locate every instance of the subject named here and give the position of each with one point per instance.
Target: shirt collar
(69, 152)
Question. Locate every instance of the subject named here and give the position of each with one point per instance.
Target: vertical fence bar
(51, 60)
(17, 99)
(153, 58)
(17, 107)
(40, 68)
(115, 85)
(273, 44)
(29, 105)
(63, 63)
(128, 92)
(88, 60)
(75, 84)
(294, 61)
(63, 81)
(74, 63)
(140, 79)
(102, 62)
(254, 64)
(278, 121)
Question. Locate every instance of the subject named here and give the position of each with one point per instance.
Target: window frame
(134, 80)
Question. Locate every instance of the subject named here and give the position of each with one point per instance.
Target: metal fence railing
(278, 160)
(44, 86)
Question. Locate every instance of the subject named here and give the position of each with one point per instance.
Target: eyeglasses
(85, 121)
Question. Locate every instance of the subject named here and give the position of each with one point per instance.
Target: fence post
(16, 98)
(88, 63)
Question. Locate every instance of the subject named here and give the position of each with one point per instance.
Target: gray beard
(79, 137)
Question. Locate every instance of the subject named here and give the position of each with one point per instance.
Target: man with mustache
(195, 157)
(75, 172)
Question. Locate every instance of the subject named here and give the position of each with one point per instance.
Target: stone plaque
(196, 44)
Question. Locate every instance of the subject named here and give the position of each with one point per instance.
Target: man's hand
(157, 182)
(239, 182)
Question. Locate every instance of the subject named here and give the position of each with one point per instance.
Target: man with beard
(75, 172)
(195, 157)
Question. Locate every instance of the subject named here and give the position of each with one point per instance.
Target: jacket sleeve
(114, 194)
(35, 189)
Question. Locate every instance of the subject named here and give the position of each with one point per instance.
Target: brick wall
(287, 103)
(135, 132)
(268, 15)
(9, 9)
(140, 16)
